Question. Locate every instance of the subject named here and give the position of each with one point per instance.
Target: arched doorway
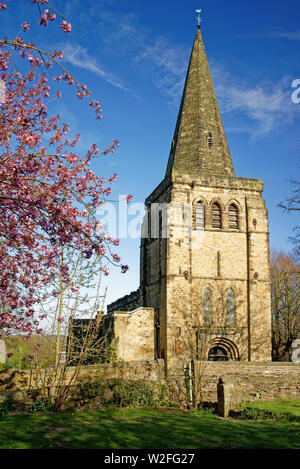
(218, 354)
(222, 349)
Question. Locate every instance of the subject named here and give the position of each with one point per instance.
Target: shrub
(41, 405)
(122, 393)
(6, 406)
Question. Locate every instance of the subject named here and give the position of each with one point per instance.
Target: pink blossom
(113, 178)
(25, 26)
(128, 198)
(66, 27)
(44, 20)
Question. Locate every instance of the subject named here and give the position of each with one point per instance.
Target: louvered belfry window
(216, 216)
(233, 217)
(209, 140)
(199, 216)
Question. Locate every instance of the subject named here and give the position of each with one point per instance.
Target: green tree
(285, 284)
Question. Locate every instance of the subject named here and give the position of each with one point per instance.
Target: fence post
(188, 382)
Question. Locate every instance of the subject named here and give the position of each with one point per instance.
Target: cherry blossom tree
(48, 193)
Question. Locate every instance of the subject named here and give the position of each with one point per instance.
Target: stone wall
(134, 334)
(126, 303)
(20, 380)
(251, 380)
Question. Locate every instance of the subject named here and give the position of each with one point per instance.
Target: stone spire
(199, 146)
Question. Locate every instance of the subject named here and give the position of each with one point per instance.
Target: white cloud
(274, 33)
(294, 35)
(167, 66)
(79, 57)
(279, 33)
(266, 105)
(261, 107)
(124, 35)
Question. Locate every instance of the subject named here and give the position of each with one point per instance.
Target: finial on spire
(198, 17)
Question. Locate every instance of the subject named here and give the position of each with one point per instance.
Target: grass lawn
(290, 408)
(146, 428)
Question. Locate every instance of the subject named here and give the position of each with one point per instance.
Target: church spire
(199, 146)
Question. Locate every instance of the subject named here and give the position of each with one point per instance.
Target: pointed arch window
(216, 216)
(230, 308)
(207, 306)
(199, 216)
(233, 217)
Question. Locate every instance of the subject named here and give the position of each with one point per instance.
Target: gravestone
(2, 351)
(225, 392)
(295, 349)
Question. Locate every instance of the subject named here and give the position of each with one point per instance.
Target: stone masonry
(205, 246)
(122, 326)
(251, 380)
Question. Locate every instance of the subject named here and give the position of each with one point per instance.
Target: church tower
(205, 261)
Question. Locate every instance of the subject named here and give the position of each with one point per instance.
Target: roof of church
(199, 145)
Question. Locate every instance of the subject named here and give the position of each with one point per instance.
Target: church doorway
(218, 354)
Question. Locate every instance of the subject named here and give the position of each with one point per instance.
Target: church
(204, 257)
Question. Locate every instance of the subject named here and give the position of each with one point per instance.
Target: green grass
(282, 408)
(148, 429)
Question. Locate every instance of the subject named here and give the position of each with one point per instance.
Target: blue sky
(134, 55)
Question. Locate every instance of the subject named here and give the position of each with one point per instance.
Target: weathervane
(198, 17)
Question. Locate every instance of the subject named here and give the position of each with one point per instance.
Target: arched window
(216, 216)
(207, 306)
(199, 216)
(230, 307)
(233, 217)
